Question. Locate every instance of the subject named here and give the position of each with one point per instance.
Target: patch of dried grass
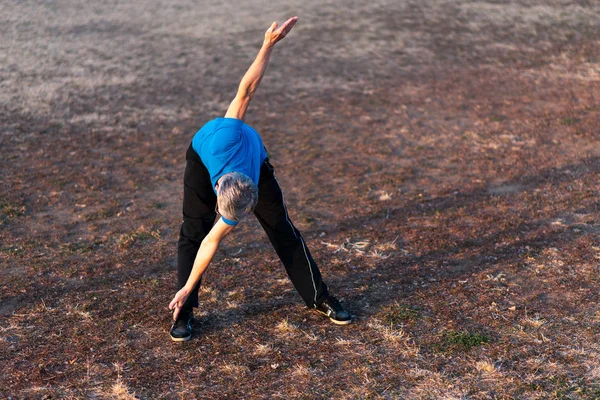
(140, 234)
(384, 196)
(119, 389)
(234, 369)
(346, 342)
(433, 385)
(210, 294)
(387, 246)
(263, 349)
(486, 368)
(378, 255)
(535, 321)
(302, 371)
(361, 248)
(232, 305)
(311, 336)
(396, 338)
(286, 327)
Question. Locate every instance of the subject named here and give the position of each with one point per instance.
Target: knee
(195, 229)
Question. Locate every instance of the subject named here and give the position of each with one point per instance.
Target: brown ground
(440, 156)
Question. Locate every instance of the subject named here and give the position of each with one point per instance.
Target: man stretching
(228, 172)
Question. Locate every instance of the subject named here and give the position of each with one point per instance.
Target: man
(228, 172)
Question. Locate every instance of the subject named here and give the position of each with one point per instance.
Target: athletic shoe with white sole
(181, 331)
(331, 307)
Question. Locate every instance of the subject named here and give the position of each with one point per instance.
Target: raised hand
(275, 34)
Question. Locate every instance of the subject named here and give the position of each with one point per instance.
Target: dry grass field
(441, 157)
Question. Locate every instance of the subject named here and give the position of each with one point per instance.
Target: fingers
(288, 25)
(292, 21)
(272, 27)
(175, 305)
(176, 302)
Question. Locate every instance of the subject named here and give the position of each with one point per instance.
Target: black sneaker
(181, 331)
(332, 308)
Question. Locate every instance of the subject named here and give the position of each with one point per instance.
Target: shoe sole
(182, 339)
(335, 321)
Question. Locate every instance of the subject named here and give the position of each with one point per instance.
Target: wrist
(268, 45)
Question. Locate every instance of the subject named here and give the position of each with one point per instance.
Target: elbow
(246, 92)
(208, 242)
(245, 96)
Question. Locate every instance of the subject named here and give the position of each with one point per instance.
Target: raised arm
(251, 80)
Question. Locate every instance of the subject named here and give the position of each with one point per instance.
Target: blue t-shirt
(229, 145)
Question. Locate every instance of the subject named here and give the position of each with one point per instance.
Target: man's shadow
(401, 271)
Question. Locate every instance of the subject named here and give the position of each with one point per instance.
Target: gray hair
(237, 196)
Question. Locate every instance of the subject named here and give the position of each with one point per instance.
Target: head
(237, 196)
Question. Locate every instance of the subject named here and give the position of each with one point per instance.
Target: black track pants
(199, 201)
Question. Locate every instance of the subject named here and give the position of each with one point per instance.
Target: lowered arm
(205, 254)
